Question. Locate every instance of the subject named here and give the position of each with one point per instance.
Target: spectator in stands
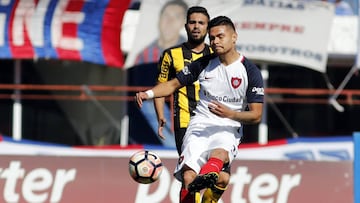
(171, 22)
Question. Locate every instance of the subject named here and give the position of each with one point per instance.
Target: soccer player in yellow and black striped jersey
(172, 61)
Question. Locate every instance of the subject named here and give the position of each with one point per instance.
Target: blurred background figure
(171, 22)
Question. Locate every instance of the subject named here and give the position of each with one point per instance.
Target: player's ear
(234, 37)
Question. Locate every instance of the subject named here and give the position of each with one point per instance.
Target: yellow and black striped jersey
(171, 62)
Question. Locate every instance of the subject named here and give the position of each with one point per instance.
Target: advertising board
(106, 179)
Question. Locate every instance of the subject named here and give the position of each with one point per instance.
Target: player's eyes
(199, 22)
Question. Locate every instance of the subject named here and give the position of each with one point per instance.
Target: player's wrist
(150, 94)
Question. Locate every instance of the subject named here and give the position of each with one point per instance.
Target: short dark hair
(176, 3)
(221, 20)
(196, 9)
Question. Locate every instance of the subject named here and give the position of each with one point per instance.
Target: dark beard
(196, 41)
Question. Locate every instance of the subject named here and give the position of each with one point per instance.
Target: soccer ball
(145, 167)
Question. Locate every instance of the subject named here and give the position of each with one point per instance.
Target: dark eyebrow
(194, 21)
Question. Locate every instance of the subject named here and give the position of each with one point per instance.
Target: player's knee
(220, 154)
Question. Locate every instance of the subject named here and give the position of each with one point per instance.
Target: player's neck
(229, 57)
(195, 47)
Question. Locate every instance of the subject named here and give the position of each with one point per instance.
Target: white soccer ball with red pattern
(145, 167)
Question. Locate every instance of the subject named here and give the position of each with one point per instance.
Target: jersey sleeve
(255, 91)
(190, 73)
(164, 66)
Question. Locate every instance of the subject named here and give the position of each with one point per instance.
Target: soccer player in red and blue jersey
(229, 83)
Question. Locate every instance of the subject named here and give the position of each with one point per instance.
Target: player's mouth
(195, 33)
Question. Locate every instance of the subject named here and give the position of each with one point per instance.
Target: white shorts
(200, 140)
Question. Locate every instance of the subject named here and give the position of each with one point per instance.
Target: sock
(188, 197)
(212, 195)
(213, 165)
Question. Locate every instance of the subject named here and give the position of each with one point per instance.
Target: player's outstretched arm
(160, 90)
(139, 97)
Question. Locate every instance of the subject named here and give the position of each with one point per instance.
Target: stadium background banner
(282, 171)
(274, 31)
(84, 30)
(106, 179)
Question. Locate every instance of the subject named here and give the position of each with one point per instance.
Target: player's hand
(162, 123)
(139, 98)
(220, 109)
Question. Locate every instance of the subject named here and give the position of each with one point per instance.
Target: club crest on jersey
(235, 82)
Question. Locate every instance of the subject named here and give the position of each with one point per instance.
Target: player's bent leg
(203, 181)
(187, 196)
(213, 194)
(209, 173)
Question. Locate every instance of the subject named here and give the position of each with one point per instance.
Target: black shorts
(179, 136)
